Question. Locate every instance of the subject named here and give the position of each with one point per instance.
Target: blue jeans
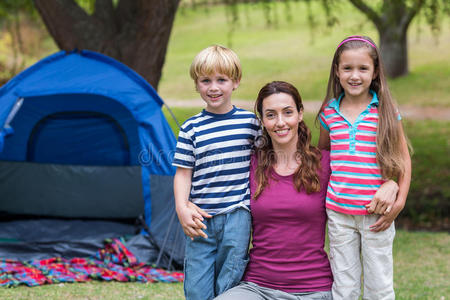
(216, 264)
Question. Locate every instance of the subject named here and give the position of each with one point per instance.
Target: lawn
(421, 267)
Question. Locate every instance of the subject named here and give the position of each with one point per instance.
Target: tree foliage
(390, 17)
(11, 14)
(136, 32)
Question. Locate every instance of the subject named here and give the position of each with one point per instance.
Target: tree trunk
(134, 32)
(394, 51)
(392, 22)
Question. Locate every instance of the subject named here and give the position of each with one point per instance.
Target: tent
(85, 151)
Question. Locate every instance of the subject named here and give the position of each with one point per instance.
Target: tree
(134, 32)
(392, 22)
(10, 19)
(390, 17)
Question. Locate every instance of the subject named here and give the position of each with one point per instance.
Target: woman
(288, 181)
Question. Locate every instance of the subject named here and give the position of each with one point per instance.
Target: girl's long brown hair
(389, 131)
(306, 176)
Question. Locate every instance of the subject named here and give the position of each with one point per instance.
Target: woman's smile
(281, 118)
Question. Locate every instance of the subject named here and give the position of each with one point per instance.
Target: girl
(362, 127)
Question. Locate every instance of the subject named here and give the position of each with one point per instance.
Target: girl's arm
(189, 214)
(403, 183)
(324, 139)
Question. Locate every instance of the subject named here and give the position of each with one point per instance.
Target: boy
(212, 159)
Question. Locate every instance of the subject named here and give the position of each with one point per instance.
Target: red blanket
(113, 262)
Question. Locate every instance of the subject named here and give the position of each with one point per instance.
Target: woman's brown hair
(389, 131)
(306, 176)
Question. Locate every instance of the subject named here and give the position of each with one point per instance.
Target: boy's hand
(384, 198)
(384, 221)
(191, 217)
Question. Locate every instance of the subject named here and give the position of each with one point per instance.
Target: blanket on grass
(113, 262)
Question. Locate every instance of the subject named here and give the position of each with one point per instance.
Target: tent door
(78, 138)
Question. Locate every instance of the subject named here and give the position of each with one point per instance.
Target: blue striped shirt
(217, 147)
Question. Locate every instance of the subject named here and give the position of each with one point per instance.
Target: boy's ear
(236, 84)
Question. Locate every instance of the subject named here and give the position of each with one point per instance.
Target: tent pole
(165, 239)
(172, 252)
(173, 116)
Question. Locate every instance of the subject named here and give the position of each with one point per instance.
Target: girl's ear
(375, 74)
(336, 70)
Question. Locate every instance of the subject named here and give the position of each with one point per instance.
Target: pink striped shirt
(355, 174)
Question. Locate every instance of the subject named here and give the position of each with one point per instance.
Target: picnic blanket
(113, 262)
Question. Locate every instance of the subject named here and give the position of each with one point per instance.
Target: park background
(279, 42)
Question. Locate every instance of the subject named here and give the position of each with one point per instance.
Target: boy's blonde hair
(216, 59)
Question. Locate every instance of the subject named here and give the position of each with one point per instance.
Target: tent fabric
(88, 76)
(87, 191)
(40, 238)
(82, 135)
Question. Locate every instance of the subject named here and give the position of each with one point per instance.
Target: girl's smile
(356, 72)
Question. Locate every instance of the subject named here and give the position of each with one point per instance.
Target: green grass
(422, 265)
(293, 53)
(421, 271)
(96, 290)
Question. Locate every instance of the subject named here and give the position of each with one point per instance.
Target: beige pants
(355, 249)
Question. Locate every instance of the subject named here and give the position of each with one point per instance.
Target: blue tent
(82, 136)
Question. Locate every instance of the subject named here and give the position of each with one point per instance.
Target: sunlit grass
(421, 271)
(292, 52)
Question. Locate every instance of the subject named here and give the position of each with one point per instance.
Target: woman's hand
(384, 221)
(384, 198)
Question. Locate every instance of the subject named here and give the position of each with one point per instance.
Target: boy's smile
(216, 89)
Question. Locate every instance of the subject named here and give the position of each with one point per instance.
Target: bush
(427, 205)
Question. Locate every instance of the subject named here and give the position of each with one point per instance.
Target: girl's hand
(384, 221)
(384, 198)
